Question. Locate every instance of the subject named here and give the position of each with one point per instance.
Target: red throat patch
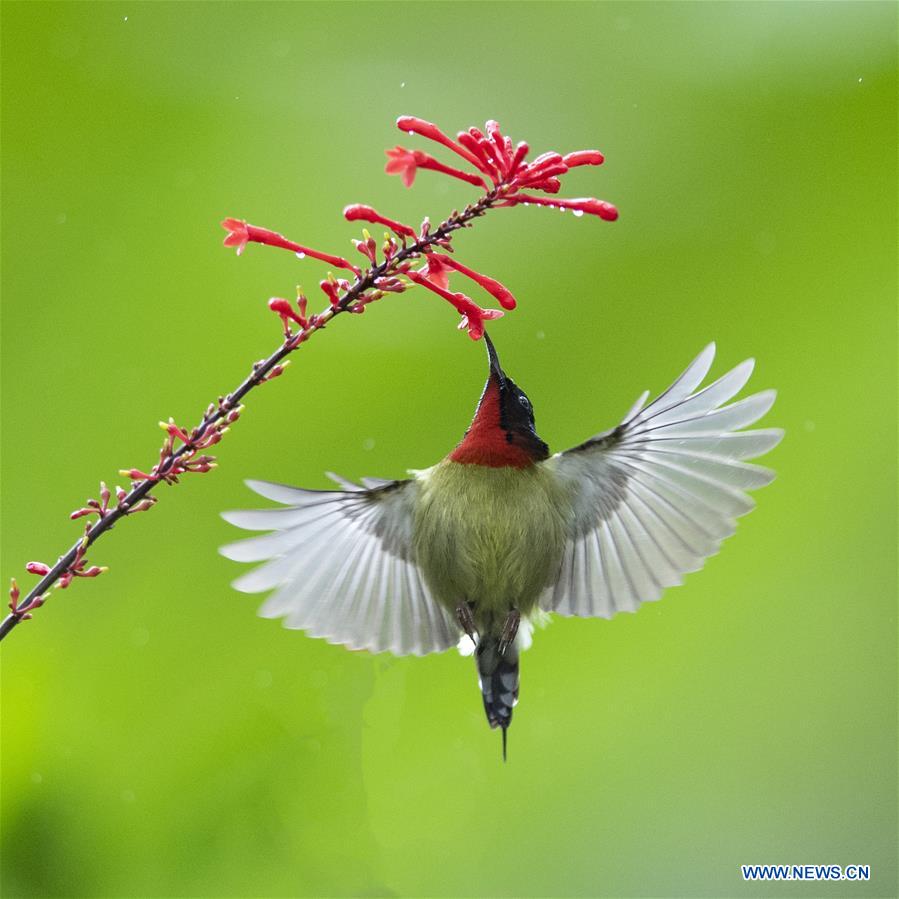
(485, 442)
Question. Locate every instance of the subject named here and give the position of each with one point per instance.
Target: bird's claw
(466, 621)
(510, 629)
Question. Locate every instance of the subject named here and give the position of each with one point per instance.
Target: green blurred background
(161, 740)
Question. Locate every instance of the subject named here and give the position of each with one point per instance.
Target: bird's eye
(525, 402)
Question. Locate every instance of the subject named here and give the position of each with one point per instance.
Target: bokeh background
(161, 740)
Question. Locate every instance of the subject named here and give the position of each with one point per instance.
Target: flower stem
(219, 412)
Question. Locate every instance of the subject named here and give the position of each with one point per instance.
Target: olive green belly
(492, 537)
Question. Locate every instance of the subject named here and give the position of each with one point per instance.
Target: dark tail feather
(498, 675)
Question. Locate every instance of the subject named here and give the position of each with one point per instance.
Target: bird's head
(502, 432)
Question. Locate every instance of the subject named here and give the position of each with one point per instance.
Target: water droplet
(578, 212)
(859, 80)
(301, 255)
(125, 18)
(410, 132)
(402, 84)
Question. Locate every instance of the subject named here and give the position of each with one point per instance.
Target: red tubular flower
(484, 163)
(358, 212)
(401, 162)
(283, 308)
(413, 125)
(237, 234)
(240, 233)
(473, 315)
(436, 271)
(583, 157)
(520, 152)
(329, 288)
(606, 211)
(406, 162)
(501, 293)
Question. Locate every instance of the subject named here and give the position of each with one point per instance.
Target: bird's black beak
(495, 368)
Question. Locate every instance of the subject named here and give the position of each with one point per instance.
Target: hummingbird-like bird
(500, 532)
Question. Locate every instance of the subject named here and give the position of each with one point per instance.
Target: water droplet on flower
(578, 212)
(301, 255)
(410, 132)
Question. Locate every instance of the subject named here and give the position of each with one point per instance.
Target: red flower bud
(358, 212)
(37, 568)
(286, 311)
(413, 125)
(330, 290)
(583, 157)
(580, 205)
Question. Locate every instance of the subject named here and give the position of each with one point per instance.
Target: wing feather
(340, 565)
(655, 497)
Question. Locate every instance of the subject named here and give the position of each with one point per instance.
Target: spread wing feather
(340, 565)
(655, 497)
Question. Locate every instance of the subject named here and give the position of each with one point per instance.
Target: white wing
(655, 497)
(340, 564)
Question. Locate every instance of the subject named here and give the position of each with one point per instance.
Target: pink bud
(37, 568)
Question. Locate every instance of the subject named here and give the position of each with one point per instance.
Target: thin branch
(491, 154)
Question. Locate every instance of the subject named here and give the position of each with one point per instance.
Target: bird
(501, 534)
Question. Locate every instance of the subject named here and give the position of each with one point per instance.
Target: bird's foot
(510, 629)
(466, 621)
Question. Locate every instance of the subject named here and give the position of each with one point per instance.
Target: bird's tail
(498, 677)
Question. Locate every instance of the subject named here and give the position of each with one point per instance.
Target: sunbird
(477, 547)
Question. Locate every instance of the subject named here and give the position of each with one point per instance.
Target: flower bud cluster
(500, 169)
